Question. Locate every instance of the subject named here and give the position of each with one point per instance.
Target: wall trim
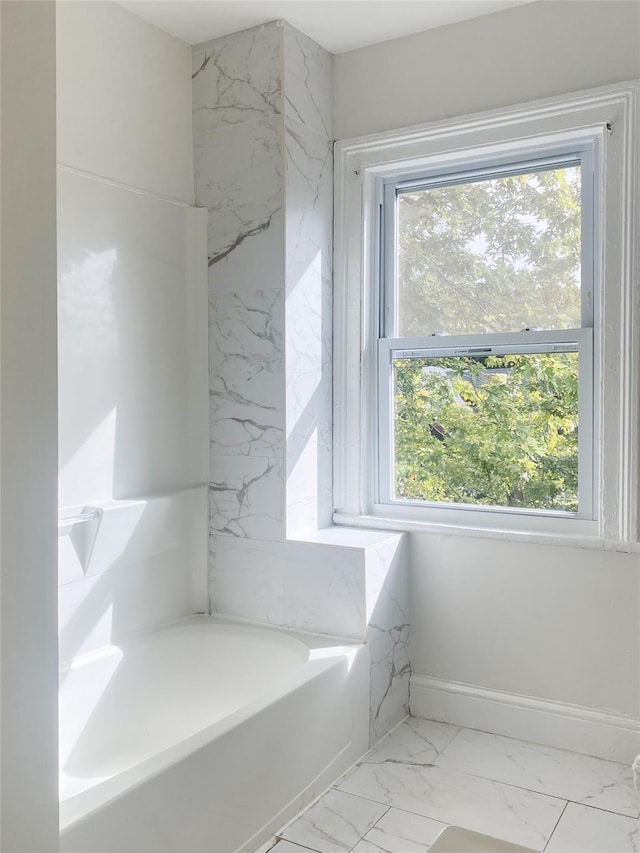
(63, 167)
(588, 730)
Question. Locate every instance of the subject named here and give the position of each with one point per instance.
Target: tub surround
(136, 566)
(132, 447)
(262, 123)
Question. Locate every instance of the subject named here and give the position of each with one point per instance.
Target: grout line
(500, 782)
(383, 738)
(359, 797)
(442, 751)
(295, 843)
(371, 800)
(556, 826)
(379, 819)
(497, 782)
(444, 823)
(600, 809)
(540, 793)
(473, 776)
(362, 837)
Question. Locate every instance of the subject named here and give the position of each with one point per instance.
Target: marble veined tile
(414, 741)
(557, 772)
(515, 815)
(308, 345)
(284, 846)
(237, 78)
(245, 373)
(308, 81)
(400, 832)
(238, 178)
(309, 179)
(388, 635)
(586, 830)
(291, 584)
(309, 408)
(246, 497)
(309, 484)
(335, 823)
(390, 672)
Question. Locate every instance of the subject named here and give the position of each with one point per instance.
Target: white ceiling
(337, 25)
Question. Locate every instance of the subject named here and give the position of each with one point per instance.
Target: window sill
(382, 522)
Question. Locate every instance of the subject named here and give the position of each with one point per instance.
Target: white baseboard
(587, 730)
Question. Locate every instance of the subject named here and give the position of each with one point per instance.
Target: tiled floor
(425, 775)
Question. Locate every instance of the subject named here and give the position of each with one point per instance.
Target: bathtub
(205, 735)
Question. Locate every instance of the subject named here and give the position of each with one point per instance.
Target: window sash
(580, 340)
(389, 189)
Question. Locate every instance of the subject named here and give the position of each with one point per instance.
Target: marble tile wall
(309, 587)
(237, 118)
(387, 633)
(308, 122)
(262, 120)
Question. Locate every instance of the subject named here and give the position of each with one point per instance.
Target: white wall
(527, 52)
(124, 99)
(555, 623)
(132, 330)
(28, 663)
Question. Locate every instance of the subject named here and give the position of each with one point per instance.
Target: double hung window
(485, 368)
(486, 347)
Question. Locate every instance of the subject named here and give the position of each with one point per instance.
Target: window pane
(496, 431)
(497, 255)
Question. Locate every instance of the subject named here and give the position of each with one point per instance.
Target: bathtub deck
(426, 775)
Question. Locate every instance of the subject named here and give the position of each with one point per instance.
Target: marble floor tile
(513, 814)
(587, 830)
(414, 741)
(556, 772)
(335, 823)
(400, 832)
(288, 847)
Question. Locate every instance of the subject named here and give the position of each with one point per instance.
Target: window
(485, 356)
(485, 363)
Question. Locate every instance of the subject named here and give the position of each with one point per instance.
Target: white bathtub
(204, 736)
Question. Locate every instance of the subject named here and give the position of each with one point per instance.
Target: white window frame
(585, 155)
(601, 120)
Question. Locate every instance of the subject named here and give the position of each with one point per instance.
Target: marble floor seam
(556, 826)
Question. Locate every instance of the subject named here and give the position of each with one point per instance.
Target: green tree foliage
(491, 256)
(497, 255)
(497, 431)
